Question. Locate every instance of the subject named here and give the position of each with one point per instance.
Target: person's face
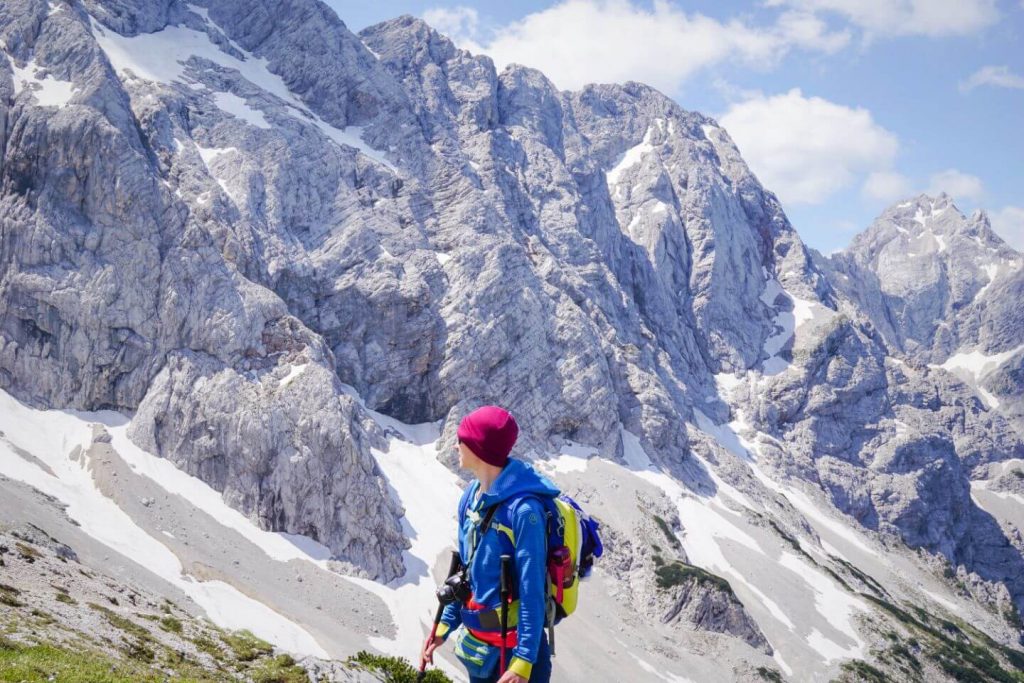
(467, 459)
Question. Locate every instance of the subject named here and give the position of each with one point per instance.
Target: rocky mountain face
(254, 230)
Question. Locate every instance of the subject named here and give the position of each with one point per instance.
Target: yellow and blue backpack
(573, 543)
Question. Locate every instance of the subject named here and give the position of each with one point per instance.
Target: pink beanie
(490, 432)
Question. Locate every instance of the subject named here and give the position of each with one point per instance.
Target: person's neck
(486, 476)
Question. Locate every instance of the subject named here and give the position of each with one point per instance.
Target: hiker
(500, 515)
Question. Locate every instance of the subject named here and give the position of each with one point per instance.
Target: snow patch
(293, 372)
(651, 669)
(48, 90)
(352, 136)
(209, 155)
(632, 156)
(201, 11)
(239, 108)
(429, 492)
(572, 457)
(726, 382)
(788, 323)
(708, 524)
(60, 440)
(635, 222)
(991, 270)
(831, 600)
(972, 367)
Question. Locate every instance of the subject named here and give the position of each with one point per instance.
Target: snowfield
(162, 56)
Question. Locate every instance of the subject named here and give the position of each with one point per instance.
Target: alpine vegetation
(255, 269)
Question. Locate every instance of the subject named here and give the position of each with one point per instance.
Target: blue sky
(841, 107)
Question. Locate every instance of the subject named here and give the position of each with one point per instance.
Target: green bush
(280, 669)
(394, 669)
(677, 573)
(667, 530)
(863, 671)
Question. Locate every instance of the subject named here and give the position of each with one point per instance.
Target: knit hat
(490, 432)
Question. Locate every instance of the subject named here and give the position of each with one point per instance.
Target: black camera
(455, 589)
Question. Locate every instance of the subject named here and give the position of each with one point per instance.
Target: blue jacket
(518, 528)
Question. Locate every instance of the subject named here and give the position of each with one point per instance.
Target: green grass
(204, 643)
(28, 553)
(171, 624)
(44, 617)
(1012, 615)
(66, 599)
(139, 657)
(140, 649)
(245, 646)
(127, 625)
(395, 670)
(143, 661)
(955, 647)
(769, 674)
(42, 663)
(280, 669)
(902, 652)
(9, 596)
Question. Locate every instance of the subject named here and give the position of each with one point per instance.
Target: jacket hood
(516, 479)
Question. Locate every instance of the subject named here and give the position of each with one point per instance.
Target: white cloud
(453, 21)
(906, 17)
(998, 76)
(1008, 222)
(576, 42)
(807, 148)
(887, 186)
(958, 184)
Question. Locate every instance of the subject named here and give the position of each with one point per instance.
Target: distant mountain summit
(943, 289)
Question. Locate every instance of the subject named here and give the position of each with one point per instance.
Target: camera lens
(454, 588)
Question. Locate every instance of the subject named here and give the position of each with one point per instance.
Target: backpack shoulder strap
(548, 507)
(479, 531)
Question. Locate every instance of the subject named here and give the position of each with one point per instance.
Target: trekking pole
(505, 592)
(452, 568)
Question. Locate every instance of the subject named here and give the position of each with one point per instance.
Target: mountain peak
(921, 265)
(926, 226)
(399, 38)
